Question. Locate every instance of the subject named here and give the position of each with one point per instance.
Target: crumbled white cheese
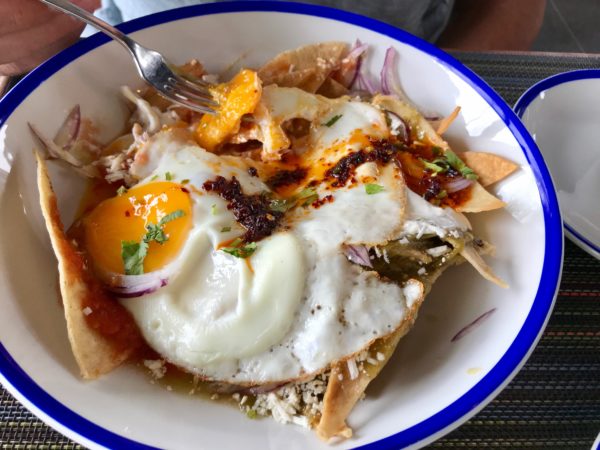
(87, 311)
(438, 251)
(293, 403)
(422, 271)
(340, 376)
(352, 369)
(372, 361)
(380, 356)
(157, 367)
(385, 256)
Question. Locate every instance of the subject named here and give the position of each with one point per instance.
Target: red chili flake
(287, 177)
(253, 212)
(322, 201)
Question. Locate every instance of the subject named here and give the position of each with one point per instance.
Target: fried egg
(293, 307)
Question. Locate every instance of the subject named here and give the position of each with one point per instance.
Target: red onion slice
(358, 254)
(351, 64)
(131, 286)
(389, 75)
(69, 130)
(457, 184)
(470, 327)
(398, 126)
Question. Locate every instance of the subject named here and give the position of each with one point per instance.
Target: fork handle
(81, 14)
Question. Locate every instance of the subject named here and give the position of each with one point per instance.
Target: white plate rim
(57, 415)
(521, 107)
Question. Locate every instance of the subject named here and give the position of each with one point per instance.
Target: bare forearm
(493, 24)
(30, 32)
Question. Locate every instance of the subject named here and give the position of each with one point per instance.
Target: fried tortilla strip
(489, 168)
(97, 351)
(332, 89)
(305, 67)
(343, 392)
(480, 200)
(447, 121)
(475, 259)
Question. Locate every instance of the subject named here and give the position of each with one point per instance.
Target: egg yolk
(124, 219)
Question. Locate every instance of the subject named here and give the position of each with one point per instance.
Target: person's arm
(30, 33)
(493, 25)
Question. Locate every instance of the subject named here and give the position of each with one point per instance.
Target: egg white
(297, 304)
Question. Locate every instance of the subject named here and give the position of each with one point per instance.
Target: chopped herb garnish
(333, 120)
(186, 181)
(303, 198)
(459, 165)
(307, 196)
(155, 233)
(133, 253)
(225, 229)
(372, 189)
(171, 216)
(437, 151)
(122, 190)
(213, 209)
(240, 251)
(154, 178)
(251, 414)
(442, 194)
(168, 176)
(280, 205)
(433, 166)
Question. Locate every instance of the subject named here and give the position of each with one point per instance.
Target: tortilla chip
(447, 121)
(305, 67)
(96, 351)
(343, 392)
(481, 200)
(489, 168)
(332, 89)
(474, 258)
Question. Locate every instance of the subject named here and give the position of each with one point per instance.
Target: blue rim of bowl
(440, 422)
(527, 99)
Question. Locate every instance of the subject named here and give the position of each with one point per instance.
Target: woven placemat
(554, 402)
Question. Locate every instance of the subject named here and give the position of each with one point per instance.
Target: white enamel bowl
(430, 386)
(563, 117)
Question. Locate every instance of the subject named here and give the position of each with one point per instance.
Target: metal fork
(151, 65)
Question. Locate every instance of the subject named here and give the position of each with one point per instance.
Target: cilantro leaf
(122, 190)
(225, 229)
(372, 189)
(168, 176)
(133, 255)
(433, 166)
(155, 233)
(242, 251)
(213, 209)
(280, 205)
(333, 120)
(459, 165)
(171, 216)
(307, 196)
